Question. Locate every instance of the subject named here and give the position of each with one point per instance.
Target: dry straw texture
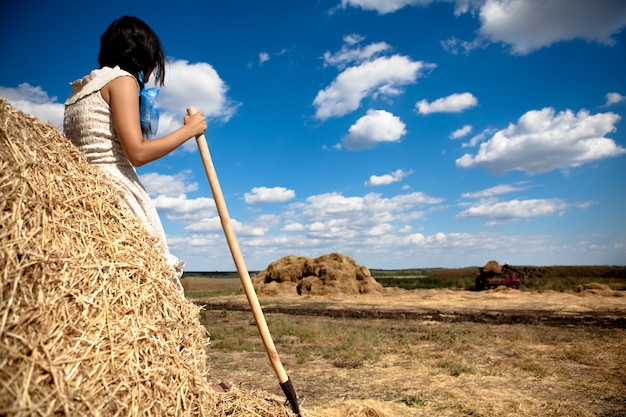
(334, 273)
(90, 322)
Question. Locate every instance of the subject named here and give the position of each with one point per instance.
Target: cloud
(186, 85)
(183, 209)
(263, 57)
(380, 75)
(613, 98)
(454, 103)
(397, 175)
(494, 191)
(347, 220)
(515, 209)
(524, 25)
(169, 195)
(264, 195)
(369, 208)
(395, 240)
(294, 227)
(350, 54)
(461, 132)
(353, 39)
(168, 185)
(375, 127)
(542, 141)
(476, 139)
(456, 242)
(528, 25)
(383, 6)
(197, 85)
(213, 225)
(36, 102)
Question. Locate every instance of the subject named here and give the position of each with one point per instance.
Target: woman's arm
(124, 101)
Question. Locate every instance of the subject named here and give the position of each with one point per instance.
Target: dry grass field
(429, 352)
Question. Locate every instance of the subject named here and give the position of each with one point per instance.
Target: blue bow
(148, 113)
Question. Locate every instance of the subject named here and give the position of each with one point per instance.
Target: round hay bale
(91, 323)
(492, 266)
(333, 273)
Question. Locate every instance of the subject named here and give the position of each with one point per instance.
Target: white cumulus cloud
(357, 218)
(515, 209)
(454, 103)
(461, 132)
(350, 53)
(260, 195)
(371, 208)
(194, 84)
(169, 185)
(543, 140)
(351, 86)
(375, 127)
(35, 101)
(494, 191)
(528, 25)
(181, 208)
(397, 175)
(613, 98)
(383, 6)
(524, 25)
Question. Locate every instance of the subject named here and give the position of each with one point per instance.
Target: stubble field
(429, 352)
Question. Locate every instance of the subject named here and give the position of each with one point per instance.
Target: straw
(90, 320)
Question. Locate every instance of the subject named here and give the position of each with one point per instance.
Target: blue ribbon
(148, 113)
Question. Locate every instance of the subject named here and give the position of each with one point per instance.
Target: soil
(598, 306)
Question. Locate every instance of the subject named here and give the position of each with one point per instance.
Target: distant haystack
(334, 273)
(492, 266)
(598, 289)
(90, 321)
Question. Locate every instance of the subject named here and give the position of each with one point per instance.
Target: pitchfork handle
(244, 276)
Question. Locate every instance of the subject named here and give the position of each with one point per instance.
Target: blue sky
(403, 133)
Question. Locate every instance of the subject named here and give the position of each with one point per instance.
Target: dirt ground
(540, 353)
(594, 306)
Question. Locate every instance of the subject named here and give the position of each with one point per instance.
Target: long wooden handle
(244, 276)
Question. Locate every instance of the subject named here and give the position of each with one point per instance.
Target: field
(438, 351)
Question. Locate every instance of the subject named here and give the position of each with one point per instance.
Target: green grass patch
(352, 348)
(237, 339)
(344, 343)
(456, 367)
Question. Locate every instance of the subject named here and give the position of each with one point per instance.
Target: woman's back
(88, 123)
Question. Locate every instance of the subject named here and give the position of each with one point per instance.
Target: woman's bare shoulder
(120, 86)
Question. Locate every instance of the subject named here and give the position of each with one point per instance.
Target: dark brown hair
(132, 45)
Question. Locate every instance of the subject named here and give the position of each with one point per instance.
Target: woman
(102, 118)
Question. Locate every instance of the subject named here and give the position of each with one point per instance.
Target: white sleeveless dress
(88, 124)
